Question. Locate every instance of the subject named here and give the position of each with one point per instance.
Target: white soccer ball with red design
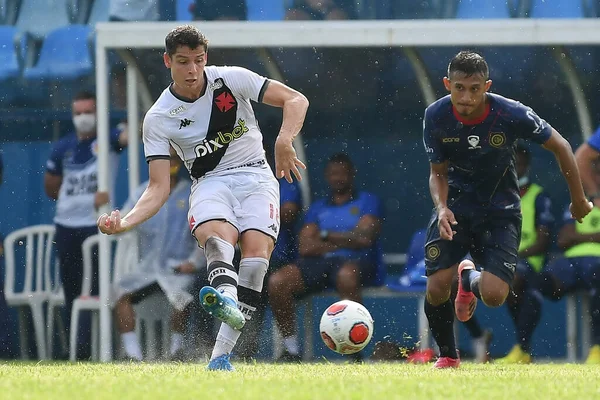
(346, 327)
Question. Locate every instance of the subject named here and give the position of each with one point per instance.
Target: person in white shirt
(169, 260)
(206, 115)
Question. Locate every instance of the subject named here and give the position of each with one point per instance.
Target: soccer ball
(346, 327)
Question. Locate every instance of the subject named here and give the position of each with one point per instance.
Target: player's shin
(221, 273)
(441, 323)
(251, 278)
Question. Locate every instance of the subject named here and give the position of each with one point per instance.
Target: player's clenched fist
(112, 224)
(580, 209)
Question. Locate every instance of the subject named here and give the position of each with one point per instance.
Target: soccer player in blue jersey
(469, 137)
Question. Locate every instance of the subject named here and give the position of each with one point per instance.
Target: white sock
(229, 291)
(291, 344)
(226, 339)
(131, 345)
(176, 342)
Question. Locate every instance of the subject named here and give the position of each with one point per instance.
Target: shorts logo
(473, 142)
(273, 227)
(192, 223)
(511, 267)
(433, 252)
(497, 139)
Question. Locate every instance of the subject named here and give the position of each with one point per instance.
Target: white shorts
(247, 200)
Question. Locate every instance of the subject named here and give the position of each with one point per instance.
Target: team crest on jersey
(473, 142)
(225, 102)
(497, 139)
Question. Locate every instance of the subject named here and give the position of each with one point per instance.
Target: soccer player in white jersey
(206, 115)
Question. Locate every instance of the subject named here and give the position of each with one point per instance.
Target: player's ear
(447, 83)
(488, 85)
(167, 60)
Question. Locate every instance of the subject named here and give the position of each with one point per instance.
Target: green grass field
(310, 381)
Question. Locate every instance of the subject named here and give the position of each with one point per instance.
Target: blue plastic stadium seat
(65, 55)
(182, 12)
(558, 8)
(9, 58)
(482, 9)
(266, 10)
(39, 17)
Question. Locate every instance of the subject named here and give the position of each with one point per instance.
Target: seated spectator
(219, 10)
(169, 259)
(578, 269)
(320, 10)
(525, 301)
(338, 247)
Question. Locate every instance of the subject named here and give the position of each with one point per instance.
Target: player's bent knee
(495, 297)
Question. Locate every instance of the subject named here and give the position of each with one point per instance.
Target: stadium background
(363, 102)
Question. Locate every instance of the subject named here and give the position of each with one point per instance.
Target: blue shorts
(575, 273)
(491, 239)
(319, 273)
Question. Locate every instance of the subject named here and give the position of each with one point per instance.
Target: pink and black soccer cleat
(465, 302)
(447, 362)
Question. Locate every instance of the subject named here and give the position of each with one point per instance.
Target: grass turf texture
(310, 381)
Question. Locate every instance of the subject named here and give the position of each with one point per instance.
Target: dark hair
(524, 151)
(185, 35)
(468, 63)
(84, 95)
(341, 158)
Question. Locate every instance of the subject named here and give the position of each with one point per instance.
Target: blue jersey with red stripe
(481, 153)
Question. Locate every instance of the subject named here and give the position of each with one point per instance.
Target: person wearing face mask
(525, 300)
(71, 180)
(170, 259)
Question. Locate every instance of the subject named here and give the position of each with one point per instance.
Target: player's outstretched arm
(585, 157)
(294, 105)
(438, 186)
(153, 198)
(580, 206)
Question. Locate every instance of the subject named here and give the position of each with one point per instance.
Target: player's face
(339, 177)
(187, 67)
(467, 93)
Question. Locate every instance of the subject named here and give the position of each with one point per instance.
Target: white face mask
(84, 123)
(523, 181)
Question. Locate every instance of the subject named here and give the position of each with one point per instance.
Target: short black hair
(341, 158)
(84, 95)
(468, 63)
(524, 151)
(185, 35)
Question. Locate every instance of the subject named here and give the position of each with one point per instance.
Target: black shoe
(288, 358)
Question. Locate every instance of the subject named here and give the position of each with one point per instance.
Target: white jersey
(216, 134)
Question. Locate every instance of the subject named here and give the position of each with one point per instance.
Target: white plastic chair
(87, 302)
(38, 241)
